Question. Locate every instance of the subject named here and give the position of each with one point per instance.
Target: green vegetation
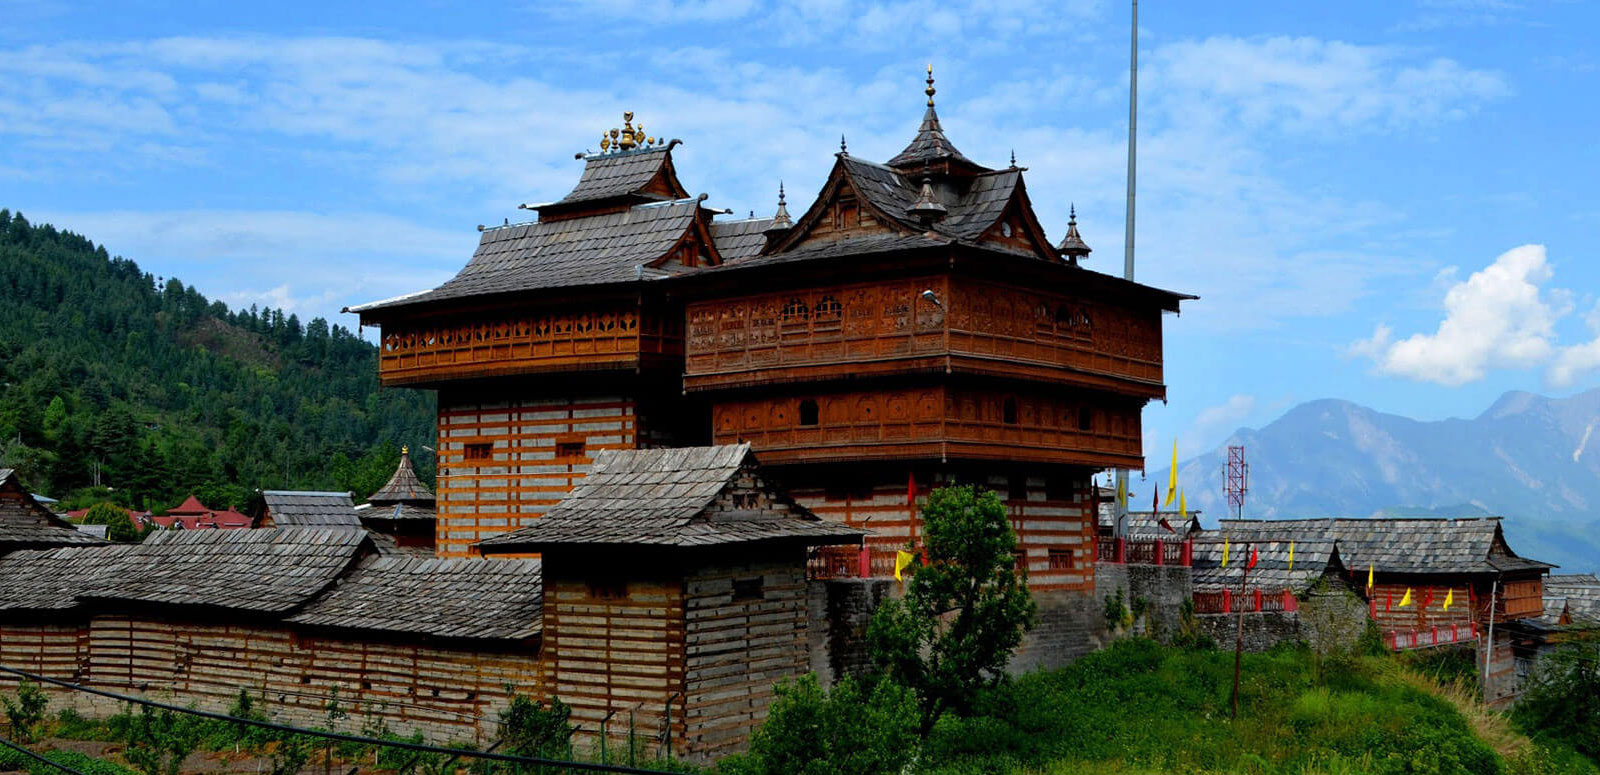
(963, 613)
(1562, 702)
(25, 712)
(117, 386)
(118, 526)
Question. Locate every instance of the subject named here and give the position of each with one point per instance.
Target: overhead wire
(38, 757)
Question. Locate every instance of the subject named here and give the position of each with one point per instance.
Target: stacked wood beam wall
(525, 470)
(447, 691)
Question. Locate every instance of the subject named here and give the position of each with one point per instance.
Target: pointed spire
(1013, 158)
(1072, 247)
(842, 149)
(930, 144)
(926, 209)
(403, 486)
(781, 219)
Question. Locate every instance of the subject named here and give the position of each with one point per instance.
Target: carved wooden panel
(890, 327)
(935, 421)
(614, 335)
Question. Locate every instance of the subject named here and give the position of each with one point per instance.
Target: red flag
(911, 488)
(1155, 499)
(1164, 523)
(1388, 601)
(1427, 598)
(1227, 601)
(1254, 556)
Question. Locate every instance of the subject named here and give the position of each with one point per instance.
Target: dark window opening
(477, 451)
(1008, 411)
(747, 589)
(1018, 490)
(808, 413)
(796, 309)
(828, 308)
(1019, 559)
(1064, 316)
(608, 589)
(1058, 488)
(746, 500)
(1060, 559)
(1085, 418)
(366, 685)
(569, 449)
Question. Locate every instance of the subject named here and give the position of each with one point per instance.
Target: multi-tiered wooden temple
(914, 326)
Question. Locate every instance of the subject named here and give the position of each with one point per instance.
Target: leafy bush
(159, 740)
(119, 527)
(80, 762)
(26, 711)
(530, 728)
(846, 731)
(1562, 701)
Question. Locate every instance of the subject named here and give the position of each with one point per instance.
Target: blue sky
(1386, 202)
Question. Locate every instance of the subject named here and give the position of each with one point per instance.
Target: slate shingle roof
(929, 145)
(1146, 525)
(296, 508)
(740, 239)
(1579, 591)
(589, 250)
(51, 579)
(403, 487)
(966, 218)
(24, 524)
(1422, 546)
(617, 174)
(1272, 572)
(267, 571)
(659, 497)
(454, 598)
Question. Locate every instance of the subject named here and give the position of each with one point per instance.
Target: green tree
(26, 711)
(963, 613)
(847, 731)
(530, 728)
(119, 527)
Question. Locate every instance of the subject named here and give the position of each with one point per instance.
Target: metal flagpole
(1127, 239)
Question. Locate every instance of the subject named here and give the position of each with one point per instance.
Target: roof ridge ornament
(1072, 247)
(926, 209)
(628, 138)
(930, 90)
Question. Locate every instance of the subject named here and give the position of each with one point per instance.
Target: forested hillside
(116, 384)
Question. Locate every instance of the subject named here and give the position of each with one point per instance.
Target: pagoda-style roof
(190, 506)
(403, 487)
(931, 146)
(620, 178)
(626, 246)
(24, 524)
(673, 498)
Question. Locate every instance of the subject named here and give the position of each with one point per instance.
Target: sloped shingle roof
(24, 524)
(268, 571)
(740, 239)
(929, 145)
(1272, 571)
(1397, 545)
(1581, 591)
(455, 598)
(589, 250)
(658, 497)
(403, 486)
(297, 508)
(51, 579)
(617, 174)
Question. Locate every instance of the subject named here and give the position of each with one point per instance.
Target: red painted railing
(1122, 551)
(1252, 601)
(849, 562)
(1442, 635)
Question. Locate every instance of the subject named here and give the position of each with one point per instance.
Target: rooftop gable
(1400, 545)
(297, 508)
(25, 524)
(619, 179)
(680, 497)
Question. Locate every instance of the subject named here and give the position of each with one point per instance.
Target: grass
(1141, 708)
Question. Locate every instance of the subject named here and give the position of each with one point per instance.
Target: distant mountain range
(1531, 459)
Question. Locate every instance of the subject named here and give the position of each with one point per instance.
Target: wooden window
(1008, 411)
(747, 589)
(808, 413)
(608, 589)
(477, 450)
(1061, 559)
(746, 500)
(1019, 559)
(1058, 488)
(570, 449)
(1064, 316)
(828, 308)
(845, 213)
(795, 311)
(1085, 418)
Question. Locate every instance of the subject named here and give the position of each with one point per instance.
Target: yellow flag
(902, 560)
(1172, 475)
(1405, 599)
(1122, 493)
(1224, 553)
(1291, 555)
(1449, 597)
(1183, 506)
(1369, 578)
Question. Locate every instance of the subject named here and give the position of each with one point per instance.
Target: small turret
(1072, 247)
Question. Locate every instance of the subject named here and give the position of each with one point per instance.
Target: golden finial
(605, 142)
(628, 140)
(930, 90)
(405, 449)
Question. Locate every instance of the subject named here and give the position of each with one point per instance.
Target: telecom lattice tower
(1238, 480)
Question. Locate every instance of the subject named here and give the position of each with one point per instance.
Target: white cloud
(1573, 361)
(1499, 317)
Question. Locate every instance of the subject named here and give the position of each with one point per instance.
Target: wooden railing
(1122, 551)
(1252, 601)
(1442, 635)
(849, 562)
